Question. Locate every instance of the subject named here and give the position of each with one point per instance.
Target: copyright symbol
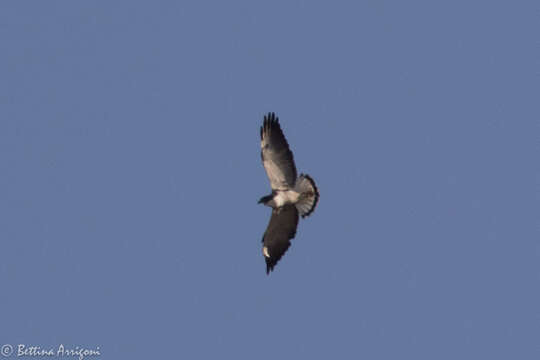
(6, 350)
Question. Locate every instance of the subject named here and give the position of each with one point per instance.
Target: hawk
(292, 196)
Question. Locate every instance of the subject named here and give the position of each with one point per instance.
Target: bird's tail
(309, 194)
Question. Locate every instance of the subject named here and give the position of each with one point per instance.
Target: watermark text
(60, 351)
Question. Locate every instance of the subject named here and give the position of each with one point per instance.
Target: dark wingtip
(271, 118)
(270, 121)
(269, 267)
(270, 264)
(275, 118)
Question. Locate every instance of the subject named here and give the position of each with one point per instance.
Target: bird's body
(283, 197)
(291, 195)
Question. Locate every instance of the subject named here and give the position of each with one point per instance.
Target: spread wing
(281, 229)
(276, 156)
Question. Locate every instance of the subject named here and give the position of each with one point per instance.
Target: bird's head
(265, 199)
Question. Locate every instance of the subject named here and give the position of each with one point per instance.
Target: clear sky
(130, 172)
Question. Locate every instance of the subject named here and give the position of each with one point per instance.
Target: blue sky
(130, 172)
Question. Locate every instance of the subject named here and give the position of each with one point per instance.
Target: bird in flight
(291, 195)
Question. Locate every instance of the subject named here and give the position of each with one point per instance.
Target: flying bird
(291, 195)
